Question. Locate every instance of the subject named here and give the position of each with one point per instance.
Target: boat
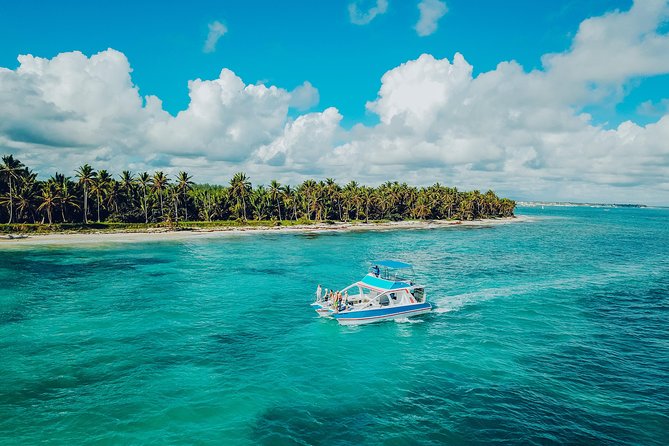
(386, 292)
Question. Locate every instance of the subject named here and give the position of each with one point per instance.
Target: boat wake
(455, 302)
(406, 320)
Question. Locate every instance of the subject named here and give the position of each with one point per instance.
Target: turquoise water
(552, 331)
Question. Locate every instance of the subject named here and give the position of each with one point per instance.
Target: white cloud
(304, 96)
(519, 132)
(216, 31)
(362, 17)
(612, 49)
(430, 13)
(225, 120)
(303, 142)
(654, 109)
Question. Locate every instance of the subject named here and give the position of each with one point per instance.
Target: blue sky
(484, 124)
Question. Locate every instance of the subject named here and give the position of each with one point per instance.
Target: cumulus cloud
(303, 142)
(73, 106)
(70, 100)
(216, 31)
(653, 109)
(224, 120)
(522, 133)
(430, 13)
(360, 16)
(304, 96)
(611, 49)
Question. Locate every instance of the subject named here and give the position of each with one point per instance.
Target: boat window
(369, 293)
(419, 294)
(383, 300)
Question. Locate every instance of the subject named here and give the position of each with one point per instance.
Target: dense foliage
(95, 195)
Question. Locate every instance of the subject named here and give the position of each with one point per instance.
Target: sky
(561, 100)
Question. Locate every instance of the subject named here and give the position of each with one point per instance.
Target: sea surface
(546, 332)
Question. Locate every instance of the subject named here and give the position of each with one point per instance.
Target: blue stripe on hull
(379, 313)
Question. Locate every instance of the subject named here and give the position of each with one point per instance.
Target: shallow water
(552, 331)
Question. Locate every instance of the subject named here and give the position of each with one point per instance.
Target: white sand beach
(74, 238)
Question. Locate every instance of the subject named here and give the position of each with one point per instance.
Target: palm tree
(86, 174)
(204, 201)
(159, 183)
(351, 198)
(113, 192)
(49, 199)
(184, 185)
(290, 199)
(68, 199)
(275, 193)
(240, 189)
(367, 197)
(421, 209)
(307, 192)
(259, 200)
(11, 169)
(173, 193)
(127, 181)
(466, 207)
(26, 196)
(334, 193)
(144, 181)
(99, 187)
(127, 185)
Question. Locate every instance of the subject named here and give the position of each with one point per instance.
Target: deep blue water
(551, 331)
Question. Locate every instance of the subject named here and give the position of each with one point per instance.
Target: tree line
(92, 195)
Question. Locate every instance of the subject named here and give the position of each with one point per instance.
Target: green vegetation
(95, 200)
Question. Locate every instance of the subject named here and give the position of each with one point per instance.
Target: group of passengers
(337, 300)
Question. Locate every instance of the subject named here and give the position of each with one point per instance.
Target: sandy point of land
(72, 238)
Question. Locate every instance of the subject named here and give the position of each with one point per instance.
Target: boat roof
(383, 284)
(393, 264)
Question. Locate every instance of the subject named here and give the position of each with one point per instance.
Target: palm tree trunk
(98, 200)
(11, 200)
(185, 206)
(85, 204)
(278, 206)
(146, 210)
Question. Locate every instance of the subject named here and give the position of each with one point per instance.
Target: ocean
(550, 331)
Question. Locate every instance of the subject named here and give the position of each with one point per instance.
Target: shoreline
(133, 235)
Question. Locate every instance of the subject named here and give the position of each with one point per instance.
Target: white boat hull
(369, 316)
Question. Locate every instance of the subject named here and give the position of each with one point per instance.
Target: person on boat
(319, 292)
(375, 270)
(335, 302)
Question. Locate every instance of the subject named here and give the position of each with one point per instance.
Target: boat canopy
(393, 264)
(383, 284)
